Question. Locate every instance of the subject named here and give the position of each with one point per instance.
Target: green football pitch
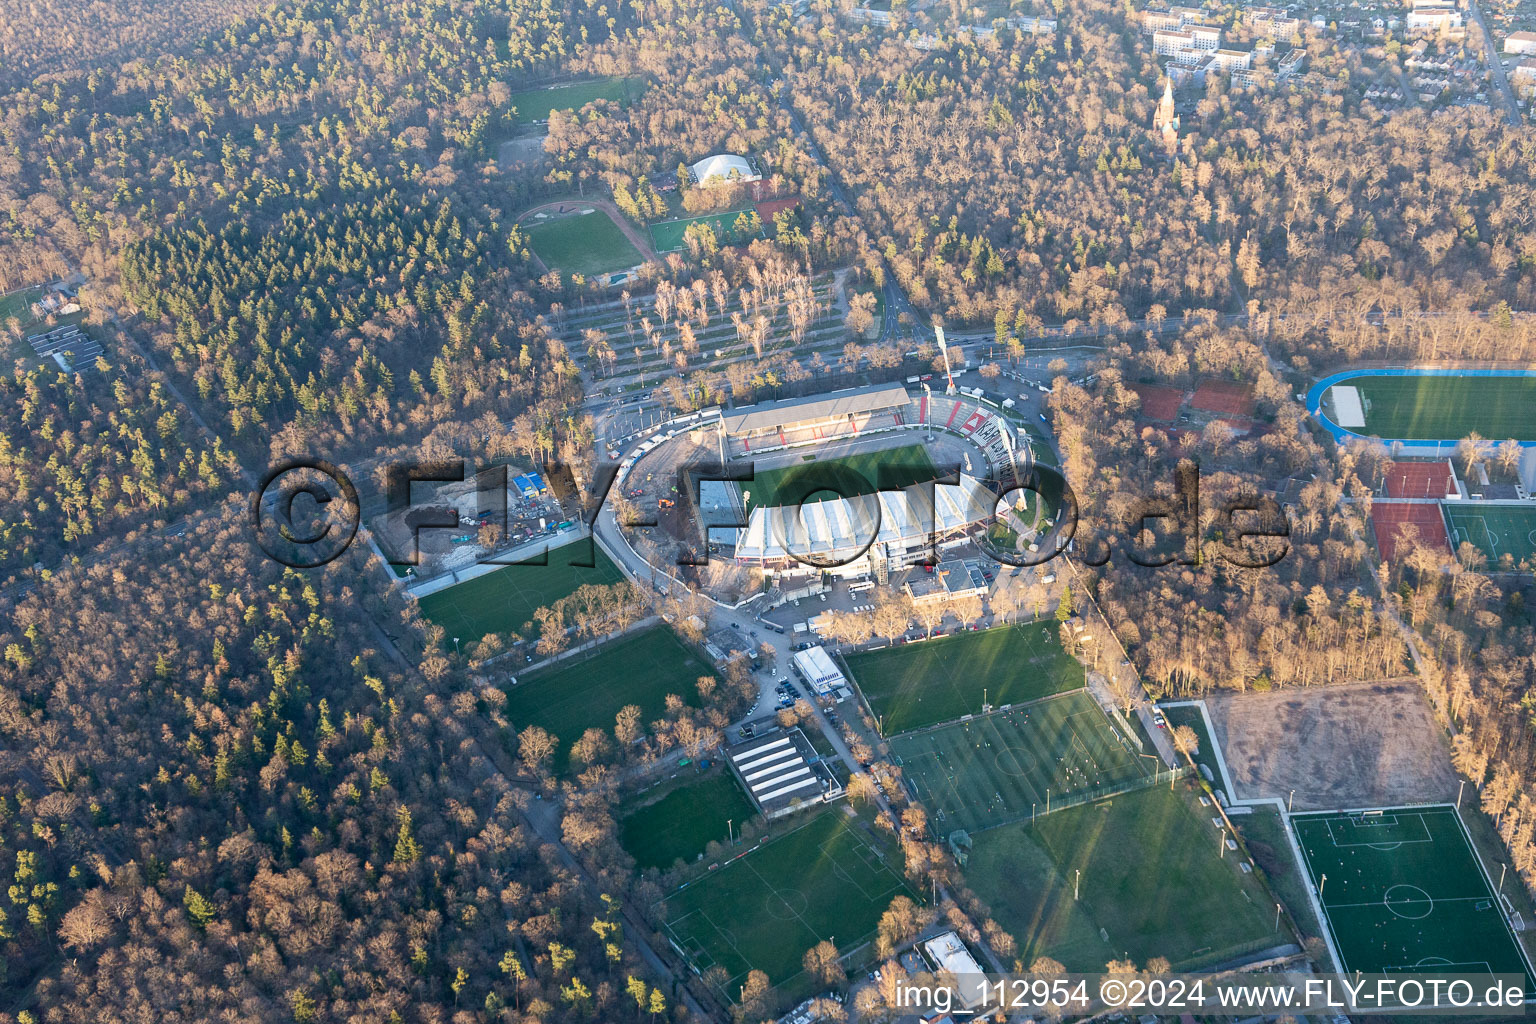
(680, 824)
(1014, 765)
(668, 234)
(911, 686)
(1496, 530)
(1405, 892)
(584, 243)
(830, 879)
(813, 479)
(536, 104)
(1152, 878)
(1414, 408)
(505, 599)
(586, 691)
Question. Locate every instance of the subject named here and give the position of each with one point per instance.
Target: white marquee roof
(841, 527)
(720, 166)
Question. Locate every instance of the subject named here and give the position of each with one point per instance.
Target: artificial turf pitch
(1405, 892)
(829, 879)
(1013, 765)
(848, 476)
(1419, 408)
(668, 235)
(1154, 882)
(911, 686)
(583, 243)
(684, 821)
(1495, 530)
(586, 691)
(505, 600)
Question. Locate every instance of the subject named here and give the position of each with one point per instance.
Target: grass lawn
(1265, 834)
(831, 878)
(668, 234)
(505, 599)
(19, 305)
(587, 691)
(585, 243)
(684, 821)
(916, 685)
(814, 479)
(536, 104)
(1190, 715)
(1405, 892)
(1011, 765)
(1151, 880)
(1495, 531)
(1448, 408)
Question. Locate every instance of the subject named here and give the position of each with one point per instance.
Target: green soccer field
(537, 104)
(668, 234)
(1012, 765)
(1414, 408)
(829, 879)
(1152, 883)
(915, 685)
(857, 474)
(586, 691)
(506, 599)
(584, 243)
(1405, 892)
(1495, 531)
(684, 821)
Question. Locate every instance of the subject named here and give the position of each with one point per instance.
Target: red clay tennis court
(1431, 480)
(1158, 402)
(1226, 397)
(1393, 521)
(768, 209)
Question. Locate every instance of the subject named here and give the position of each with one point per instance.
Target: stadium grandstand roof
(842, 526)
(768, 415)
(782, 771)
(720, 166)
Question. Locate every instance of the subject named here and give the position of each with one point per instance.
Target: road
(1495, 65)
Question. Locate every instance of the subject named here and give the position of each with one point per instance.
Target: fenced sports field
(1495, 530)
(1014, 765)
(913, 686)
(1404, 891)
(830, 879)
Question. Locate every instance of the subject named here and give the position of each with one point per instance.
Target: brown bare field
(1358, 745)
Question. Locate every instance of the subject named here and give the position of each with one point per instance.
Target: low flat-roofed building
(948, 954)
(783, 773)
(1520, 42)
(815, 666)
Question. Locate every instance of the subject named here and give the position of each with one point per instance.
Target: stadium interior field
(1404, 891)
(1144, 874)
(830, 879)
(1430, 408)
(1495, 530)
(911, 686)
(856, 474)
(506, 598)
(1013, 765)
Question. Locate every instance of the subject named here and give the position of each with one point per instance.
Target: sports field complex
(1432, 405)
(1495, 530)
(1018, 764)
(829, 879)
(911, 686)
(1403, 891)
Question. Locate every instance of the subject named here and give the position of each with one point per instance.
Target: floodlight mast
(938, 330)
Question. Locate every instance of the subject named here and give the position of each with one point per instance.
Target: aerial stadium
(865, 481)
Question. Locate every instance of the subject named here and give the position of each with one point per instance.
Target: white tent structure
(831, 533)
(723, 166)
